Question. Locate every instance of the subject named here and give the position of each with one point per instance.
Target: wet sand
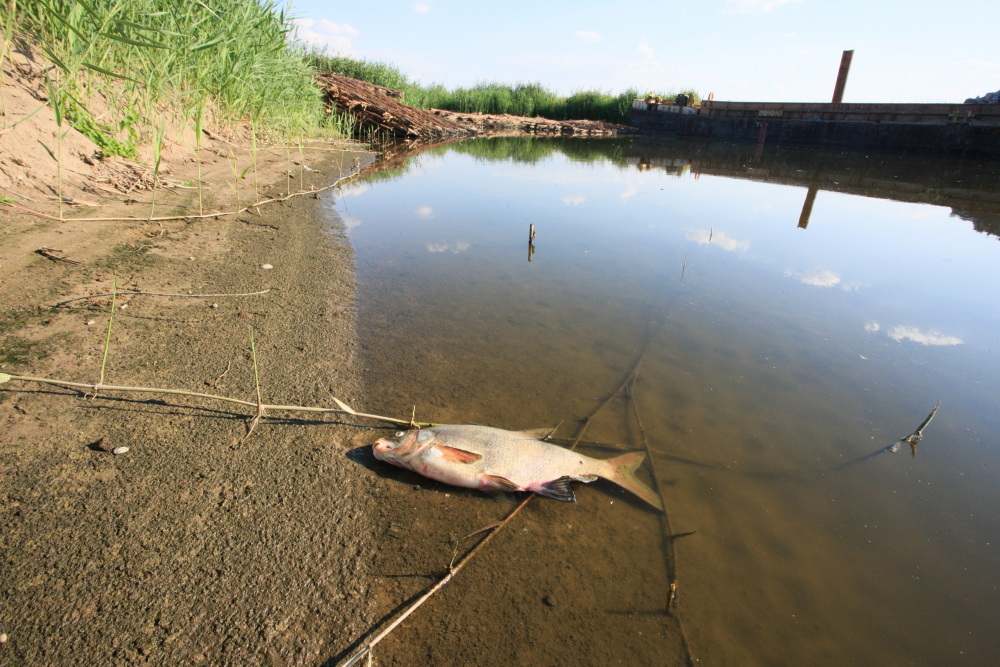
(199, 545)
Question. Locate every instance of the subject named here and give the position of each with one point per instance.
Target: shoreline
(199, 544)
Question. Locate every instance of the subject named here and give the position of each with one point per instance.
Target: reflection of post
(531, 241)
(760, 142)
(807, 206)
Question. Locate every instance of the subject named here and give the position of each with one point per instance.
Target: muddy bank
(198, 545)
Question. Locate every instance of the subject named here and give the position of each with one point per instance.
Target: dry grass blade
(89, 388)
(189, 296)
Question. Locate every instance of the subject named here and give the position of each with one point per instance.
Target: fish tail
(623, 474)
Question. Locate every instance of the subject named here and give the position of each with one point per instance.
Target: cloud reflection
(721, 239)
(901, 333)
(454, 248)
(574, 200)
(354, 189)
(425, 212)
(823, 278)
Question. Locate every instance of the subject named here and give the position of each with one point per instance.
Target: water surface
(794, 312)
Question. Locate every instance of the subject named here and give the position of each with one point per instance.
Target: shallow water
(794, 312)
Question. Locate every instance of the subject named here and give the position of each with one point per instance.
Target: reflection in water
(851, 296)
(900, 332)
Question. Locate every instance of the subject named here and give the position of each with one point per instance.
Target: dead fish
(481, 457)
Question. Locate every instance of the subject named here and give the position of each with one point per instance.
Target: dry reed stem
(341, 409)
(190, 296)
(256, 381)
(217, 214)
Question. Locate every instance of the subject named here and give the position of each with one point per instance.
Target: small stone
(102, 444)
(549, 600)
(266, 266)
(3, 637)
(215, 305)
(90, 322)
(119, 450)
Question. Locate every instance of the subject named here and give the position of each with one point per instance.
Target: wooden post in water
(845, 67)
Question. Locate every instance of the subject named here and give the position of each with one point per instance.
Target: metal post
(845, 67)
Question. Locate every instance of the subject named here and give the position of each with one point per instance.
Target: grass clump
(155, 58)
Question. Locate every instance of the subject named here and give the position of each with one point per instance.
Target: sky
(749, 50)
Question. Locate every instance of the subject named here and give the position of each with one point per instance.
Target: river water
(794, 313)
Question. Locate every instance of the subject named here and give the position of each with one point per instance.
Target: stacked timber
(380, 109)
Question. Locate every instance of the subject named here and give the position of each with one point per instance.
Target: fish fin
(586, 479)
(499, 483)
(623, 475)
(458, 455)
(559, 489)
(537, 433)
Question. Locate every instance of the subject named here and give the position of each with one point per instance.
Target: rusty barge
(958, 130)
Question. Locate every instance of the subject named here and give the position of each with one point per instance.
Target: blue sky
(760, 50)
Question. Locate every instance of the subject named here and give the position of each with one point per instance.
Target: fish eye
(400, 434)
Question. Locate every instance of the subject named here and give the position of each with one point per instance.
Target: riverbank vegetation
(131, 74)
(521, 99)
(121, 70)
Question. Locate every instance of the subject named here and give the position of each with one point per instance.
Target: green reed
(153, 58)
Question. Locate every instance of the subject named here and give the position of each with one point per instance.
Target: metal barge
(961, 130)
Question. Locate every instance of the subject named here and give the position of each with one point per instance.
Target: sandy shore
(199, 545)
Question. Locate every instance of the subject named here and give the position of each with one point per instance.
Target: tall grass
(157, 57)
(521, 99)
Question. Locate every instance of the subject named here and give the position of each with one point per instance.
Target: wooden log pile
(380, 109)
(494, 124)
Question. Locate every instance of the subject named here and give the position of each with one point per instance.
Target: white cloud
(588, 35)
(325, 34)
(425, 212)
(454, 248)
(873, 327)
(629, 192)
(645, 49)
(421, 7)
(721, 239)
(747, 6)
(574, 200)
(901, 333)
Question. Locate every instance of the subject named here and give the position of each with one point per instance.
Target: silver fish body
(481, 457)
